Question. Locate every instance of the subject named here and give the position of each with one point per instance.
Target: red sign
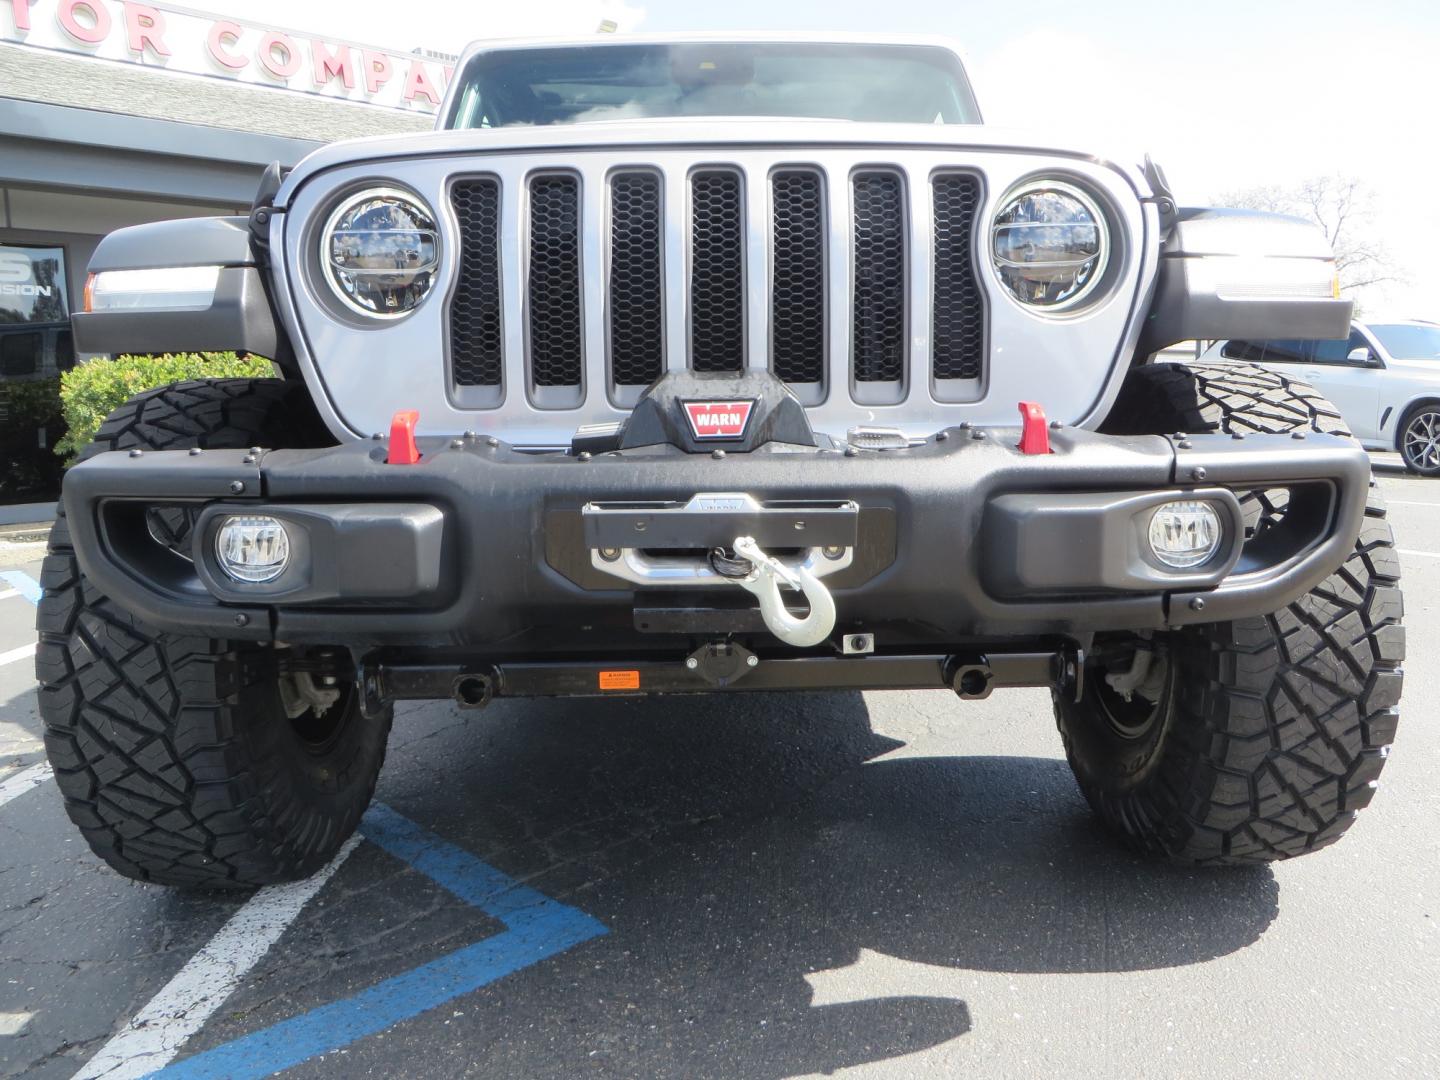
(179, 40)
(719, 419)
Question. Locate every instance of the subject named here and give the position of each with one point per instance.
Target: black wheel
(1253, 740)
(1419, 439)
(186, 760)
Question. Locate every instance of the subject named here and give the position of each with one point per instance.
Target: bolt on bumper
(482, 547)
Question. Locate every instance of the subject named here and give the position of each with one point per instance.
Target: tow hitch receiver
(716, 539)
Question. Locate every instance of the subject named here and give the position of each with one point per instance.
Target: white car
(1384, 379)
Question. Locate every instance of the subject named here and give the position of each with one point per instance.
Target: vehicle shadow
(735, 846)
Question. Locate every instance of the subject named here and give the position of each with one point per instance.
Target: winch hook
(763, 581)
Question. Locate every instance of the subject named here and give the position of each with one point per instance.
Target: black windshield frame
(488, 86)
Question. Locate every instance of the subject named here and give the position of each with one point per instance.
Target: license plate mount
(715, 519)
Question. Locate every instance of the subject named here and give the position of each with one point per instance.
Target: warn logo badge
(719, 419)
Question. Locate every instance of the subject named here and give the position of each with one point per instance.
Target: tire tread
(153, 736)
(1284, 721)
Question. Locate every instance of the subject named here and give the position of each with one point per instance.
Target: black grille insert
(554, 287)
(957, 332)
(476, 332)
(637, 280)
(880, 276)
(797, 295)
(717, 271)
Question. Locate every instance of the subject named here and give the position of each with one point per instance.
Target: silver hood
(717, 132)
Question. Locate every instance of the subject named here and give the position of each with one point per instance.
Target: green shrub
(90, 392)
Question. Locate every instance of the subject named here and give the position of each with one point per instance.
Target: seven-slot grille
(797, 276)
(637, 280)
(476, 334)
(639, 232)
(878, 313)
(553, 285)
(717, 271)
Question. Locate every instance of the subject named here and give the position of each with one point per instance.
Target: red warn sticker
(719, 419)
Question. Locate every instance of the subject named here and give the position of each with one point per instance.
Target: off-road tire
(1271, 731)
(174, 753)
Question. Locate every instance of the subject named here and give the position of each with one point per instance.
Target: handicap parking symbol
(536, 927)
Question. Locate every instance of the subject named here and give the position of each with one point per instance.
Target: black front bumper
(484, 549)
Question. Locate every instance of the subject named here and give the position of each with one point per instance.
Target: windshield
(1406, 342)
(574, 84)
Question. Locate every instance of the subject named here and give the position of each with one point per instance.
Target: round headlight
(380, 249)
(1050, 245)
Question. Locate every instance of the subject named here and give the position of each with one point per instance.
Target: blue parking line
(22, 583)
(536, 927)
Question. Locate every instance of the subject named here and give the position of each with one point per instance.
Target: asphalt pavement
(887, 884)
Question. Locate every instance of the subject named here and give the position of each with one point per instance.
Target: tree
(1341, 206)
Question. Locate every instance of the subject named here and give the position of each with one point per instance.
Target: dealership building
(115, 113)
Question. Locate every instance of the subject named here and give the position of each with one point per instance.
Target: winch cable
(729, 565)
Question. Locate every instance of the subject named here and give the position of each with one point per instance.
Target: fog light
(252, 549)
(1185, 534)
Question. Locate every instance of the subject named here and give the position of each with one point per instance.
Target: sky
(1225, 94)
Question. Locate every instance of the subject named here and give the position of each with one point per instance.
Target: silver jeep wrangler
(710, 365)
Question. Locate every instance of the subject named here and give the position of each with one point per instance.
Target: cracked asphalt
(886, 885)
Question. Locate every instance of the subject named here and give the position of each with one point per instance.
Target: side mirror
(1363, 357)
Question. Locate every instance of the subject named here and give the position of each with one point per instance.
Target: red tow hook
(403, 450)
(1034, 429)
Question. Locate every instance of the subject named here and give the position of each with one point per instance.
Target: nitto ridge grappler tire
(178, 756)
(1259, 739)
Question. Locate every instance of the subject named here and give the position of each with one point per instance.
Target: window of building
(32, 286)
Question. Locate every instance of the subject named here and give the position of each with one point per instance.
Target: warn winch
(715, 539)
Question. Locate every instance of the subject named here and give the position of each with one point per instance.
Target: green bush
(90, 392)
